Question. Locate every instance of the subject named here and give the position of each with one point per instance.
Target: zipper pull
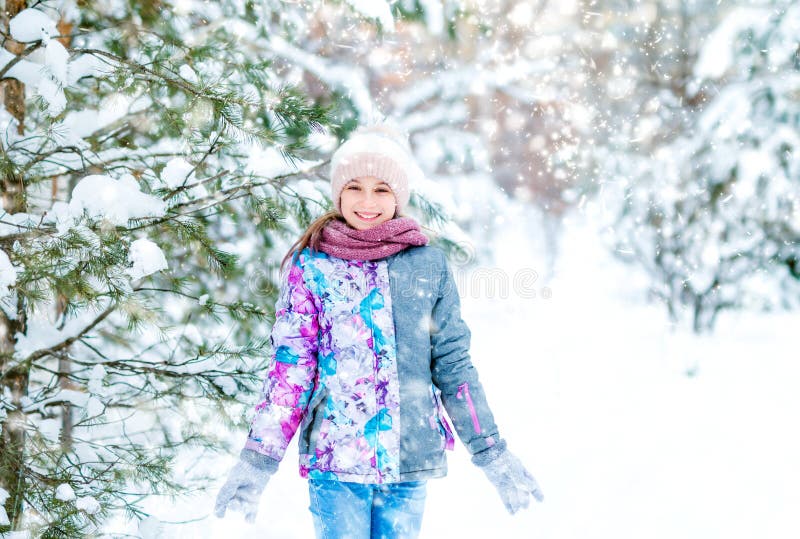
(463, 389)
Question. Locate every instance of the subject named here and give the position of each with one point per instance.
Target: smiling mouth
(367, 216)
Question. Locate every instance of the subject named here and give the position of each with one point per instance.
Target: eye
(353, 187)
(383, 190)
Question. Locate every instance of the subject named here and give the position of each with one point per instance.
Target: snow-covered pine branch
(147, 182)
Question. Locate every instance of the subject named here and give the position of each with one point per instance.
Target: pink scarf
(342, 241)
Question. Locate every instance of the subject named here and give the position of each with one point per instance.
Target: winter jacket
(366, 354)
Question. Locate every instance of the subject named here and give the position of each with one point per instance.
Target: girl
(369, 350)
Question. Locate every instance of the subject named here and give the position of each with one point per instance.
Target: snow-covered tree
(149, 166)
(712, 210)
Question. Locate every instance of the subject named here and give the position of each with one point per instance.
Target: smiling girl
(369, 351)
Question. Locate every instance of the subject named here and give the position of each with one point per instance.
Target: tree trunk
(13, 90)
(64, 361)
(13, 378)
(12, 442)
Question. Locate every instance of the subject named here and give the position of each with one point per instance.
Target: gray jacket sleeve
(453, 372)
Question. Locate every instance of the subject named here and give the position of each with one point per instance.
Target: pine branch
(18, 58)
(68, 341)
(224, 195)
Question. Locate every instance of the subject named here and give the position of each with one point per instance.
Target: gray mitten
(245, 484)
(509, 477)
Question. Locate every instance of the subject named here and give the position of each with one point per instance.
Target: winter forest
(616, 184)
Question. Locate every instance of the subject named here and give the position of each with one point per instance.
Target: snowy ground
(591, 391)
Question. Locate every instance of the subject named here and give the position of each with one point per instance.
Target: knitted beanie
(378, 150)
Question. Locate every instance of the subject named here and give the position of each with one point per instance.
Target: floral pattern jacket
(367, 356)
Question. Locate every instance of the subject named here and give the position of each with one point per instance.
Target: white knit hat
(379, 150)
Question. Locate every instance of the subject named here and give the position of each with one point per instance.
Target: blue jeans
(343, 510)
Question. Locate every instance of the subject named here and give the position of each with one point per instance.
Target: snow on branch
(349, 80)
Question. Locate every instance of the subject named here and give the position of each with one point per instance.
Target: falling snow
(619, 187)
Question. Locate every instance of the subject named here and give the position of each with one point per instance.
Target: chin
(363, 226)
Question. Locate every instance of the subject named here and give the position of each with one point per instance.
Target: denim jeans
(343, 510)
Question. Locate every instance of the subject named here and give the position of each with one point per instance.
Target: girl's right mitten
(246, 482)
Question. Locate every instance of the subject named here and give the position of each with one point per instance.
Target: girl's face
(367, 202)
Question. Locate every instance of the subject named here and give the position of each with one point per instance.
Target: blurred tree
(707, 168)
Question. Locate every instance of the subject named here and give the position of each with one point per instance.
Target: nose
(368, 198)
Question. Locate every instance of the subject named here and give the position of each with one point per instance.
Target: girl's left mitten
(246, 482)
(513, 482)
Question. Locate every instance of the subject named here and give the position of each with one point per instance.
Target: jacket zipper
(463, 389)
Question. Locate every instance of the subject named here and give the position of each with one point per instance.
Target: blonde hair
(312, 236)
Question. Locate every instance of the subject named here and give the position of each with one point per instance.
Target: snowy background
(634, 167)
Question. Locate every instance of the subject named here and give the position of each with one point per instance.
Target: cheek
(389, 203)
(346, 200)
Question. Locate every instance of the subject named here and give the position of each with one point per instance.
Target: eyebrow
(356, 180)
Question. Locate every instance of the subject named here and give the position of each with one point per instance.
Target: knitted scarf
(343, 241)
